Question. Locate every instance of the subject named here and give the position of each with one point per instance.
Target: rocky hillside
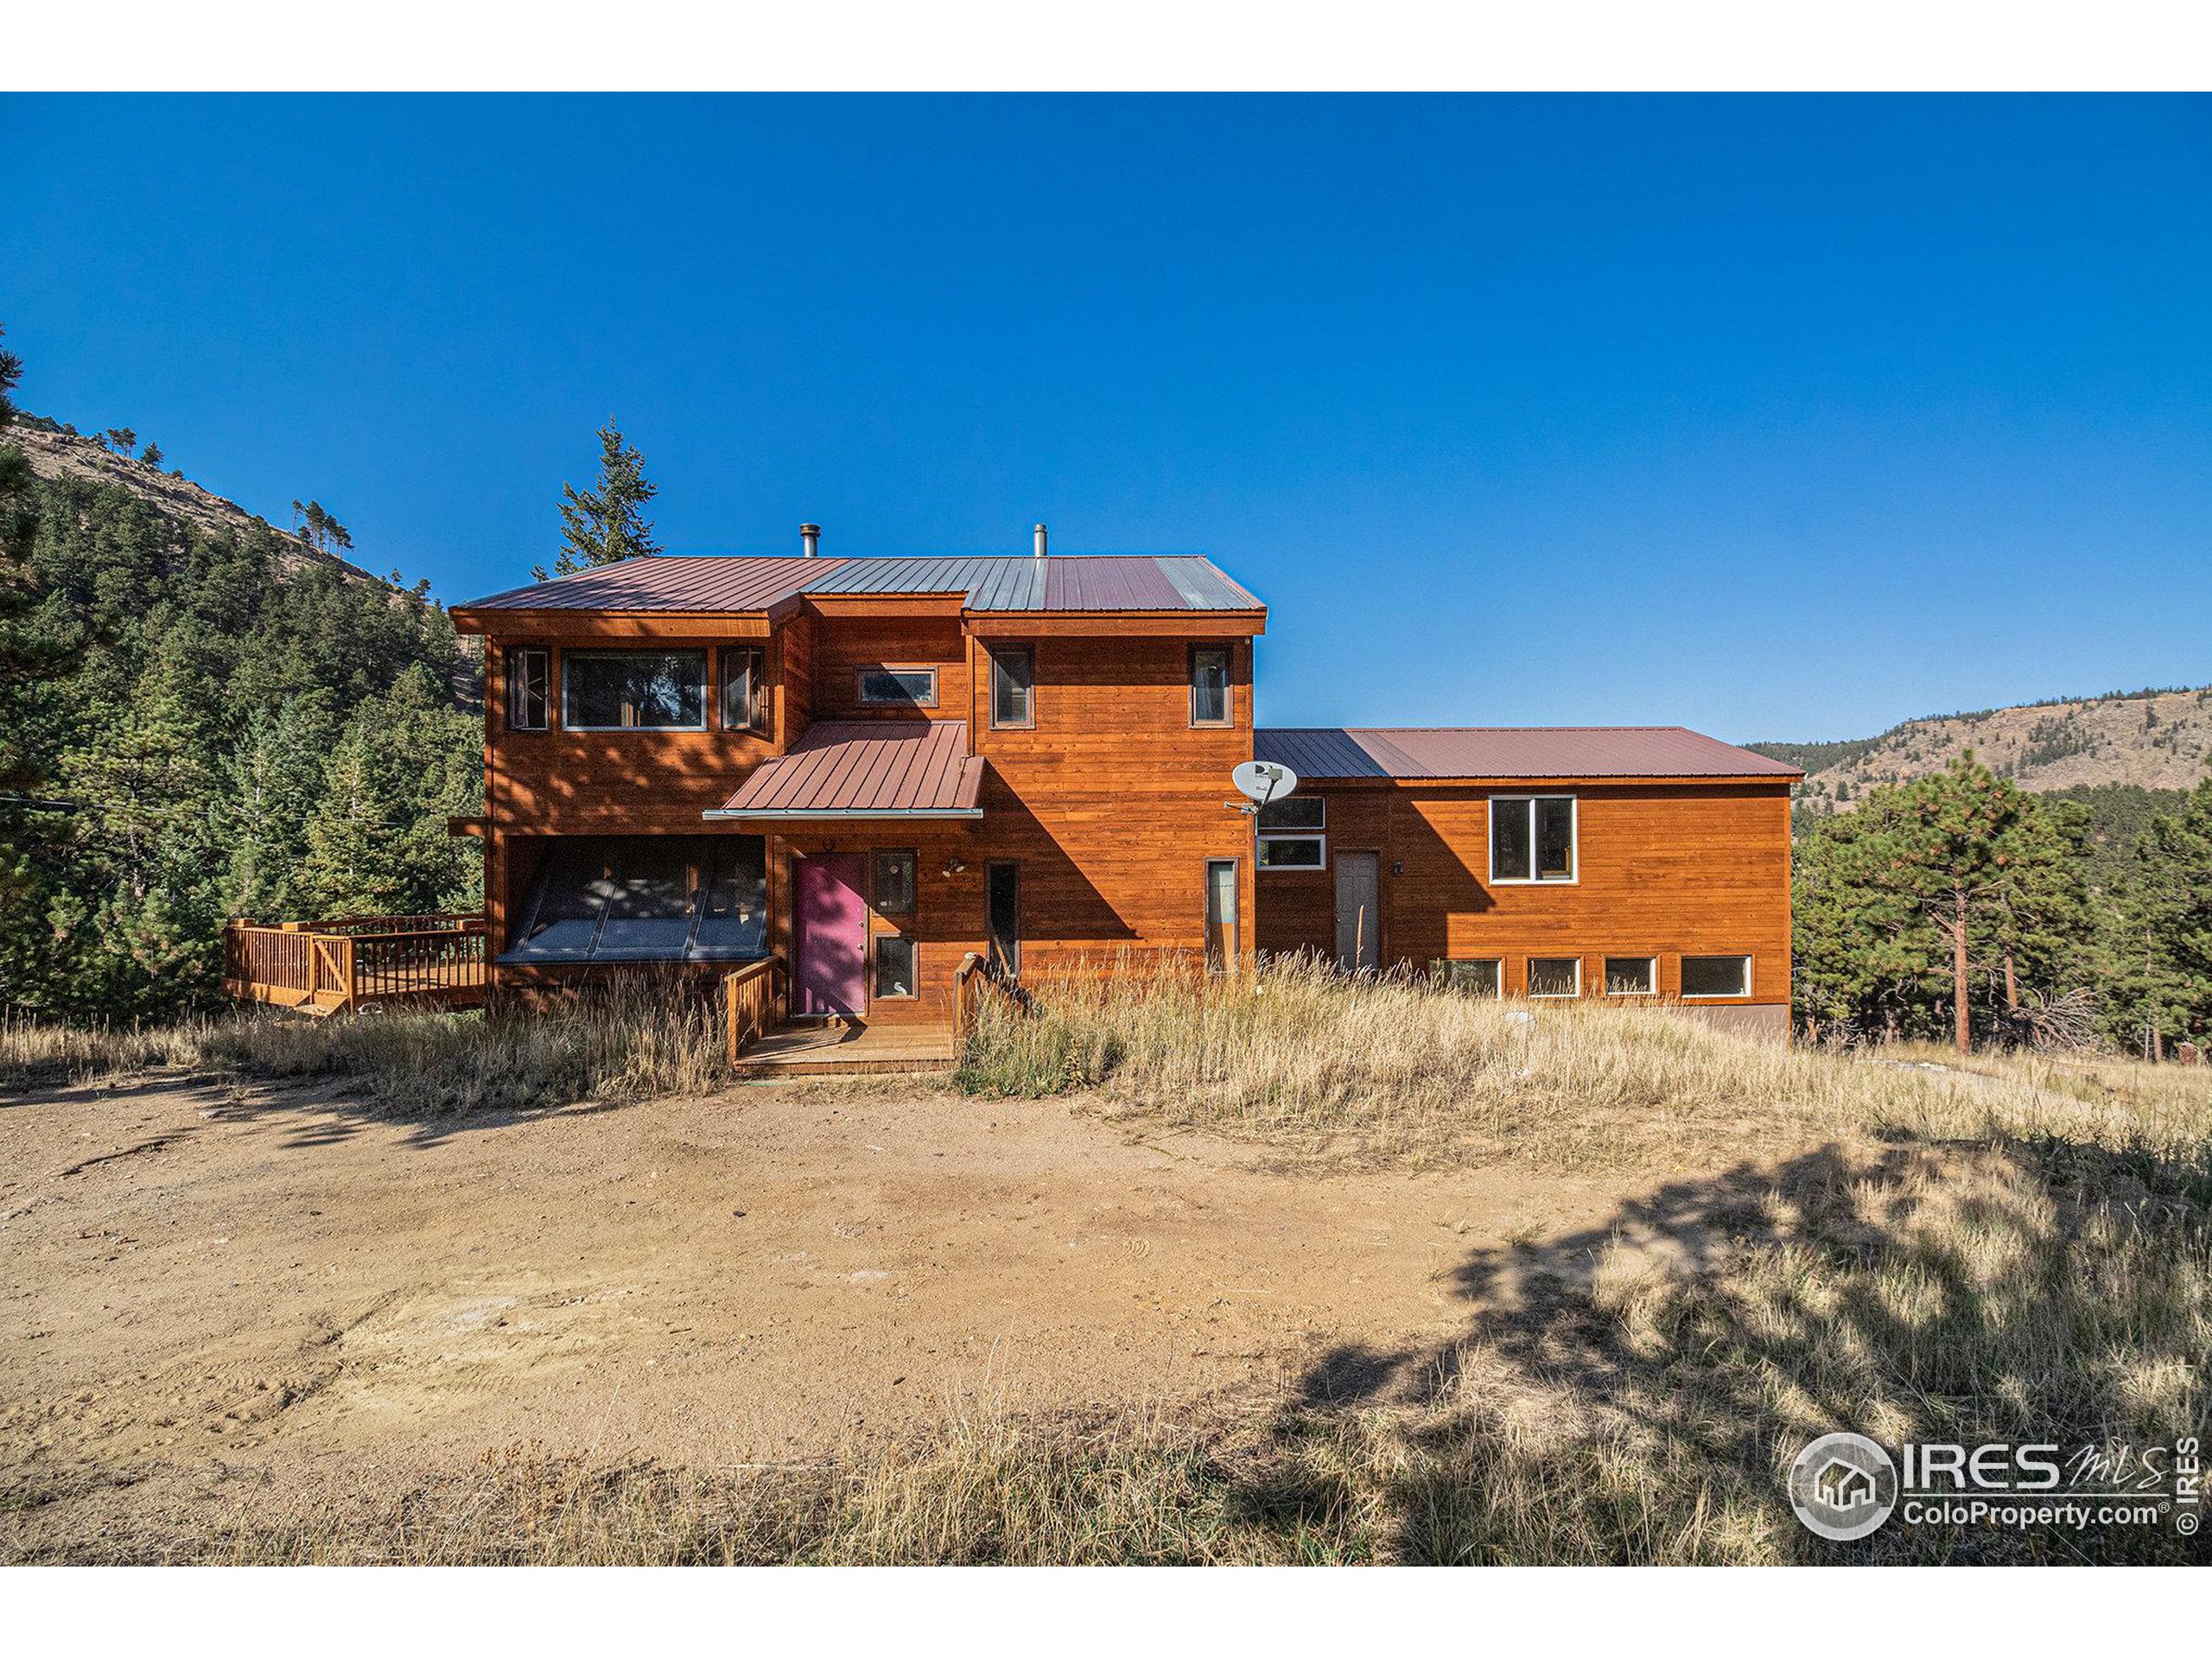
(60, 455)
(2150, 740)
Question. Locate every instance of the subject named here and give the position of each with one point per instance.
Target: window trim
(760, 722)
(1653, 960)
(1744, 957)
(1532, 880)
(1321, 842)
(1529, 978)
(1445, 965)
(512, 659)
(876, 855)
(1228, 721)
(1233, 925)
(876, 991)
(860, 685)
(706, 687)
(991, 692)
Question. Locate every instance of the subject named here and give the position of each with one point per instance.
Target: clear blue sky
(1778, 417)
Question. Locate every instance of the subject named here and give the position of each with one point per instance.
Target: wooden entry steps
(850, 1051)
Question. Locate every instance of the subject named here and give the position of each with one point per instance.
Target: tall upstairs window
(529, 688)
(624, 690)
(1532, 838)
(1014, 687)
(744, 688)
(1210, 685)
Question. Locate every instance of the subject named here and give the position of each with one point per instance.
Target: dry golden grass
(1394, 1069)
(637, 1040)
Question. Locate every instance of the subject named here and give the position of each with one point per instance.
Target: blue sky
(1778, 417)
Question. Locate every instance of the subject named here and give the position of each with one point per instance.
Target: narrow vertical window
(1014, 687)
(895, 881)
(1002, 915)
(1208, 685)
(529, 688)
(744, 691)
(1220, 915)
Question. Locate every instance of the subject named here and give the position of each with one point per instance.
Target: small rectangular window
(1480, 977)
(1554, 976)
(1532, 838)
(894, 965)
(1294, 852)
(744, 692)
(1632, 975)
(1295, 812)
(1210, 685)
(529, 688)
(1013, 686)
(896, 688)
(619, 690)
(1716, 976)
(1220, 915)
(895, 881)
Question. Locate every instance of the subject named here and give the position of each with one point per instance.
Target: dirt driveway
(226, 1300)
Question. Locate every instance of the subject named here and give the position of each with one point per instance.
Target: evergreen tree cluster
(194, 728)
(1963, 907)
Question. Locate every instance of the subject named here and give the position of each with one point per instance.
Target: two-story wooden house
(868, 772)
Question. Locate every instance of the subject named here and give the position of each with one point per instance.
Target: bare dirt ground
(223, 1302)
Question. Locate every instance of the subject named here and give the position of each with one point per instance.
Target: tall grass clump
(1394, 1067)
(636, 1038)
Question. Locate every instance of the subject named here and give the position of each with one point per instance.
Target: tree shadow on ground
(1636, 1390)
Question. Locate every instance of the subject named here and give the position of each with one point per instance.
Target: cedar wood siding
(1113, 801)
(1667, 867)
(1112, 804)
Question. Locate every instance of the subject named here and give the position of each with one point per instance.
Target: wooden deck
(851, 1050)
(357, 961)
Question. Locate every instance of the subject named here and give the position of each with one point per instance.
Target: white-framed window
(1632, 975)
(899, 687)
(1476, 977)
(1014, 687)
(1294, 852)
(1532, 839)
(1210, 695)
(1716, 977)
(1291, 835)
(634, 691)
(1554, 977)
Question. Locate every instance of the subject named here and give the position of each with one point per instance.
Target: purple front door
(830, 933)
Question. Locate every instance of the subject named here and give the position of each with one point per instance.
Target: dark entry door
(1359, 892)
(830, 934)
(1002, 915)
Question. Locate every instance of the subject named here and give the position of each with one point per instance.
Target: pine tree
(606, 525)
(2163, 974)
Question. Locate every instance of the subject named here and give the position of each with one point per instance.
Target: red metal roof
(867, 769)
(1071, 582)
(663, 584)
(1448, 752)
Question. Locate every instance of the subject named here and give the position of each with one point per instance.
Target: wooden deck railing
(330, 967)
(755, 999)
(968, 983)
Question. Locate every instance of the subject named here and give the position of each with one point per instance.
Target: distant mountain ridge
(2158, 739)
(54, 455)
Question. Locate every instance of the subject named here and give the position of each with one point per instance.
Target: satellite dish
(1263, 780)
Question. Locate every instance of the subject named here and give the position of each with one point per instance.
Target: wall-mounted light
(1397, 866)
(953, 866)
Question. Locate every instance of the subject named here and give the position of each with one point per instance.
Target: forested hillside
(206, 718)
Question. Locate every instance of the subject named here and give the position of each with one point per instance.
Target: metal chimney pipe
(1040, 541)
(809, 540)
